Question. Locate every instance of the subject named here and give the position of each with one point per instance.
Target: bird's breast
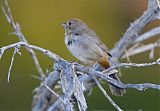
(75, 46)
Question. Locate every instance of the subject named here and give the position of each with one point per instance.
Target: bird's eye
(69, 23)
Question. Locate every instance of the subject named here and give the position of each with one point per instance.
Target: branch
(11, 64)
(151, 33)
(48, 53)
(17, 31)
(151, 14)
(141, 49)
(41, 93)
(126, 65)
(104, 76)
(54, 93)
(105, 94)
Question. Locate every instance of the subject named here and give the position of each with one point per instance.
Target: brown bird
(86, 46)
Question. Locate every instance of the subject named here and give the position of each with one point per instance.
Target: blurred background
(40, 22)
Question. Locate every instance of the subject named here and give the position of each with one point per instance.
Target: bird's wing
(100, 44)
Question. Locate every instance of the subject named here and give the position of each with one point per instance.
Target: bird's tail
(114, 89)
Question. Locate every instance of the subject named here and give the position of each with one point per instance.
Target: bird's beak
(63, 24)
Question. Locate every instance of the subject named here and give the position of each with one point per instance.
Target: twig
(141, 49)
(131, 65)
(53, 92)
(11, 64)
(106, 95)
(151, 33)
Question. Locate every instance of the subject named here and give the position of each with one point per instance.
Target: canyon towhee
(86, 46)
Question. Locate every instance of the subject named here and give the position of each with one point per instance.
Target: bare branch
(1, 52)
(153, 32)
(132, 32)
(126, 65)
(11, 64)
(19, 34)
(48, 53)
(41, 93)
(142, 49)
(78, 93)
(106, 95)
(115, 82)
(53, 92)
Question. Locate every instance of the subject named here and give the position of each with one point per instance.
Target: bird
(84, 44)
